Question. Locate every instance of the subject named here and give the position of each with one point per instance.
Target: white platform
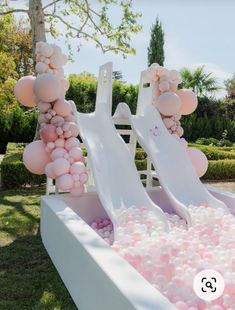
(96, 276)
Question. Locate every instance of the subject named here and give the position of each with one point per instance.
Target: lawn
(28, 279)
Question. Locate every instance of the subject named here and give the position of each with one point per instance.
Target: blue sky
(196, 32)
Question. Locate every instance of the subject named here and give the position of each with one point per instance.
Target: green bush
(220, 170)
(13, 172)
(215, 142)
(214, 153)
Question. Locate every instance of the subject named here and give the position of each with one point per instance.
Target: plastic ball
(48, 133)
(62, 107)
(24, 91)
(47, 87)
(61, 166)
(188, 100)
(65, 182)
(168, 104)
(35, 157)
(199, 160)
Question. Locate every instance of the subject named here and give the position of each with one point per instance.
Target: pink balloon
(35, 157)
(41, 67)
(48, 133)
(70, 118)
(58, 153)
(74, 129)
(56, 61)
(71, 142)
(47, 87)
(168, 104)
(43, 107)
(78, 168)
(76, 153)
(60, 143)
(61, 166)
(83, 177)
(77, 191)
(65, 84)
(65, 182)
(168, 122)
(46, 50)
(199, 160)
(49, 171)
(188, 101)
(24, 91)
(62, 107)
(57, 119)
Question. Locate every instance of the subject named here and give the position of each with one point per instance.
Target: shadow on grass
(28, 279)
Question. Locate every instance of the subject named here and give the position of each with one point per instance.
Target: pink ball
(62, 107)
(49, 171)
(24, 91)
(61, 166)
(77, 191)
(47, 87)
(188, 101)
(48, 133)
(65, 182)
(76, 153)
(199, 160)
(58, 153)
(168, 104)
(35, 157)
(77, 168)
(71, 142)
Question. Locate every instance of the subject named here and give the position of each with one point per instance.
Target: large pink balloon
(199, 160)
(35, 157)
(47, 87)
(62, 107)
(24, 91)
(48, 133)
(188, 101)
(61, 166)
(168, 104)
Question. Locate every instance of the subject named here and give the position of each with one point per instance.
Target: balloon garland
(172, 104)
(58, 153)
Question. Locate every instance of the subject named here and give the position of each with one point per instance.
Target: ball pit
(170, 261)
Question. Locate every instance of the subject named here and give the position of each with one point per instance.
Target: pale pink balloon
(61, 166)
(168, 122)
(70, 118)
(24, 91)
(199, 160)
(83, 177)
(35, 157)
(58, 153)
(57, 119)
(65, 182)
(56, 61)
(41, 67)
(49, 171)
(78, 168)
(47, 87)
(71, 142)
(62, 107)
(46, 50)
(180, 131)
(74, 129)
(42, 118)
(188, 101)
(77, 191)
(168, 104)
(164, 86)
(60, 143)
(65, 84)
(56, 48)
(76, 153)
(43, 107)
(48, 133)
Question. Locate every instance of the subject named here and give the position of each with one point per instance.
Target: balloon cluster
(58, 153)
(172, 104)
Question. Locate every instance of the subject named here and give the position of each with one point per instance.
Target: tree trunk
(37, 21)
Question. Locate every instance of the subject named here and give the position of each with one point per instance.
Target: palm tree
(199, 81)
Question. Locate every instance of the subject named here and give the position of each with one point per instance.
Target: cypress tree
(156, 45)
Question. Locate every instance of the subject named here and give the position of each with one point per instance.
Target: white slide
(175, 171)
(117, 181)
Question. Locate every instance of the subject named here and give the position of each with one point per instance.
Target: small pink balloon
(57, 119)
(83, 177)
(35, 157)
(46, 50)
(74, 129)
(71, 142)
(65, 182)
(168, 122)
(41, 67)
(61, 166)
(77, 191)
(188, 101)
(24, 91)
(49, 171)
(62, 107)
(65, 84)
(58, 153)
(76, 153)
(199, 160)
(47, 87)
(77, 168)
(43, 107)
(42, 118)
(60, 143)
(56, 60)
(48, 133)
(70, 118)
(164, 86)
(179, 131)
(168, 104)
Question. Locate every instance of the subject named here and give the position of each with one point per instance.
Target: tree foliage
(230, 86)
(199, 81)
(156, 45)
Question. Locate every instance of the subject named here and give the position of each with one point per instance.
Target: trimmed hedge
(220, 170)
(13, 172)
(215, 153)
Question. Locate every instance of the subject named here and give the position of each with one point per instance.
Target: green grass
(28, 279)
